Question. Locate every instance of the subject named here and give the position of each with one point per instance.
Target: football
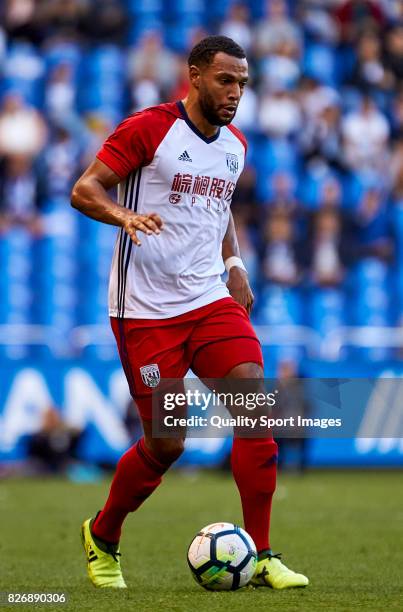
(222, 557)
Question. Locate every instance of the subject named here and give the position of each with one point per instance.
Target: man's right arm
(90, 197)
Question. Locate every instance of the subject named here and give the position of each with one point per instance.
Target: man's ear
(194, 76)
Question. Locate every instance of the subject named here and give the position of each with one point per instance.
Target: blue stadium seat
(55, 279)
(370, 294)
(217, 11)
(24, 73)
(93, 304)
(15, 250)
(370, 272)
(178, 34)
(359, 183)
(140, 8)
(63, 52)
(15, 286)
(272, 156)
(257, 8)
(93, 278)
(15, 262)
(142, 24)
(319, 63)
(397, 219)
(103, 81)
(326, 309)
(372, 304)
(106, 61)
(311, 185)
(279, 306)
(184, 8)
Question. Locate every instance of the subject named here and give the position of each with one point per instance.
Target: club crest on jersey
(150, 375)
(232, 162)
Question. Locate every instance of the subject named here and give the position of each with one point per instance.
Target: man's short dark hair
(204, 52)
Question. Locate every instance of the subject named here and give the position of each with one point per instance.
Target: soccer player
(176, 166)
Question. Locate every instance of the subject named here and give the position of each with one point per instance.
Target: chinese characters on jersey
(210, 187)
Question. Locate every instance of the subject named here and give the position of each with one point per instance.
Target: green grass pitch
(343, 529)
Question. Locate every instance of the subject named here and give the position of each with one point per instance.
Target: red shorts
(210, 340)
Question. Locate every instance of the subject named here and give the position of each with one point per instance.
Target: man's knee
(166, 451)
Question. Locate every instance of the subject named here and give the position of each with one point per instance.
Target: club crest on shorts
(150, 375)
(232, 163)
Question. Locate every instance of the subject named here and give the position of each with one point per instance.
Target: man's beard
(208, 109)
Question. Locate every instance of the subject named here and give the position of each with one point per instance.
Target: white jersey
(169, 167)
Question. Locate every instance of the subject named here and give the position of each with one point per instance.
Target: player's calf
(165, 450)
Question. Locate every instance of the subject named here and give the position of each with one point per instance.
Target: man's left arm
(238, 282)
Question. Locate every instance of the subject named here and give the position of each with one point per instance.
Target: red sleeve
(240, 136)
(136, 139)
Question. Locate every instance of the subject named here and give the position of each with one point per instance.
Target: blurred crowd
(320, 203)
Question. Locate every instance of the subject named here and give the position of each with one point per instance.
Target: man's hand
(239, 288)
(149, 224)
(90, 196)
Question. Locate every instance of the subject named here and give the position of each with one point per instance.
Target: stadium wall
(92, 397)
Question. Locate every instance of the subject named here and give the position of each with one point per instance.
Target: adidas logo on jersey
(185, 157)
